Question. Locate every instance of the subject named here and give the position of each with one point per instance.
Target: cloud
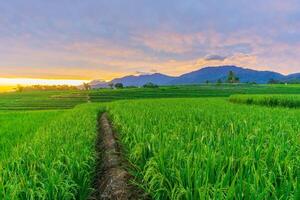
(139, 73)
(167, 42)
(115, 38)
(215, 57)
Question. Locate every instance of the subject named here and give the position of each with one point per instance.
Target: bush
(150, 85)
(119, 85)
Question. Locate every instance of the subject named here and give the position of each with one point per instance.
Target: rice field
(18, 127)
(53, 158)
(210, 149)
(42, 100)
(204, 90)
(181, 142)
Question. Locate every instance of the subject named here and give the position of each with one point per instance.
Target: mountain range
(211, 74)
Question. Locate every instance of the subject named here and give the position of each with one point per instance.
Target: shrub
(119, 85)
(150, 85)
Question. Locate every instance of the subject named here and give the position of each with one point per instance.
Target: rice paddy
(42, 100)
(204, 90)
(57, 162)
(211, 149)
(183, 142)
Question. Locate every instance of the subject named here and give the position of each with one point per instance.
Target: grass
(211, 149)
(58, 160)
(290, 101)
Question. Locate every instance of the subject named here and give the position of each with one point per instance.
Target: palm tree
(86, 86)
(232, 78)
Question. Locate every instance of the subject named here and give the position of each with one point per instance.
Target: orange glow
(31, 81)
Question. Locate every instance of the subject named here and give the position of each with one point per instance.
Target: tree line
(21, 88)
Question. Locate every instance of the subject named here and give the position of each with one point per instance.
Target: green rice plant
(18, 127)
(57, 162)
(290, 101)
(210, 148)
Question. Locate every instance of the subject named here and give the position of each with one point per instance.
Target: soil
(112, 180)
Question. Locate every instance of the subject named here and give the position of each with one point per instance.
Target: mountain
(211, 74)
(293, 78)
(99, 84)
(157, 78)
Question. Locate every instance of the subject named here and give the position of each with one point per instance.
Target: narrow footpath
(112, 181)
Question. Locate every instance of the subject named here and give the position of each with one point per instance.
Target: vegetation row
(290, 101)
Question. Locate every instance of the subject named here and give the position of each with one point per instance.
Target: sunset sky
(103, 39)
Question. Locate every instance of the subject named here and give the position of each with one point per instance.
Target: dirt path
(112, 179)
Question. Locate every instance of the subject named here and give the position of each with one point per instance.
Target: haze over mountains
(211, 74)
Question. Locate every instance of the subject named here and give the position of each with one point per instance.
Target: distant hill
(157, 78)
(211, 74)
(99, 84)
(293, 78)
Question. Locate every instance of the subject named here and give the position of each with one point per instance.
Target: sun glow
(6, 88)
(31, 81)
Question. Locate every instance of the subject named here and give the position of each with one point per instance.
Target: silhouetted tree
(273, 81)
(86, 86)
(150, 85)
(232, 78)
(119, 85)
(20, 88)
(111, 85)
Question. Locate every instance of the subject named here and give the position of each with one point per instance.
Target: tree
(219, 81)
(273, 81)
(86, 86)
(20, 88)
(150, 85)
(207, 82)
(119, 85)
(232, 78)
(111, 85)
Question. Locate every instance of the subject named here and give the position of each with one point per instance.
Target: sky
(104, 39)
